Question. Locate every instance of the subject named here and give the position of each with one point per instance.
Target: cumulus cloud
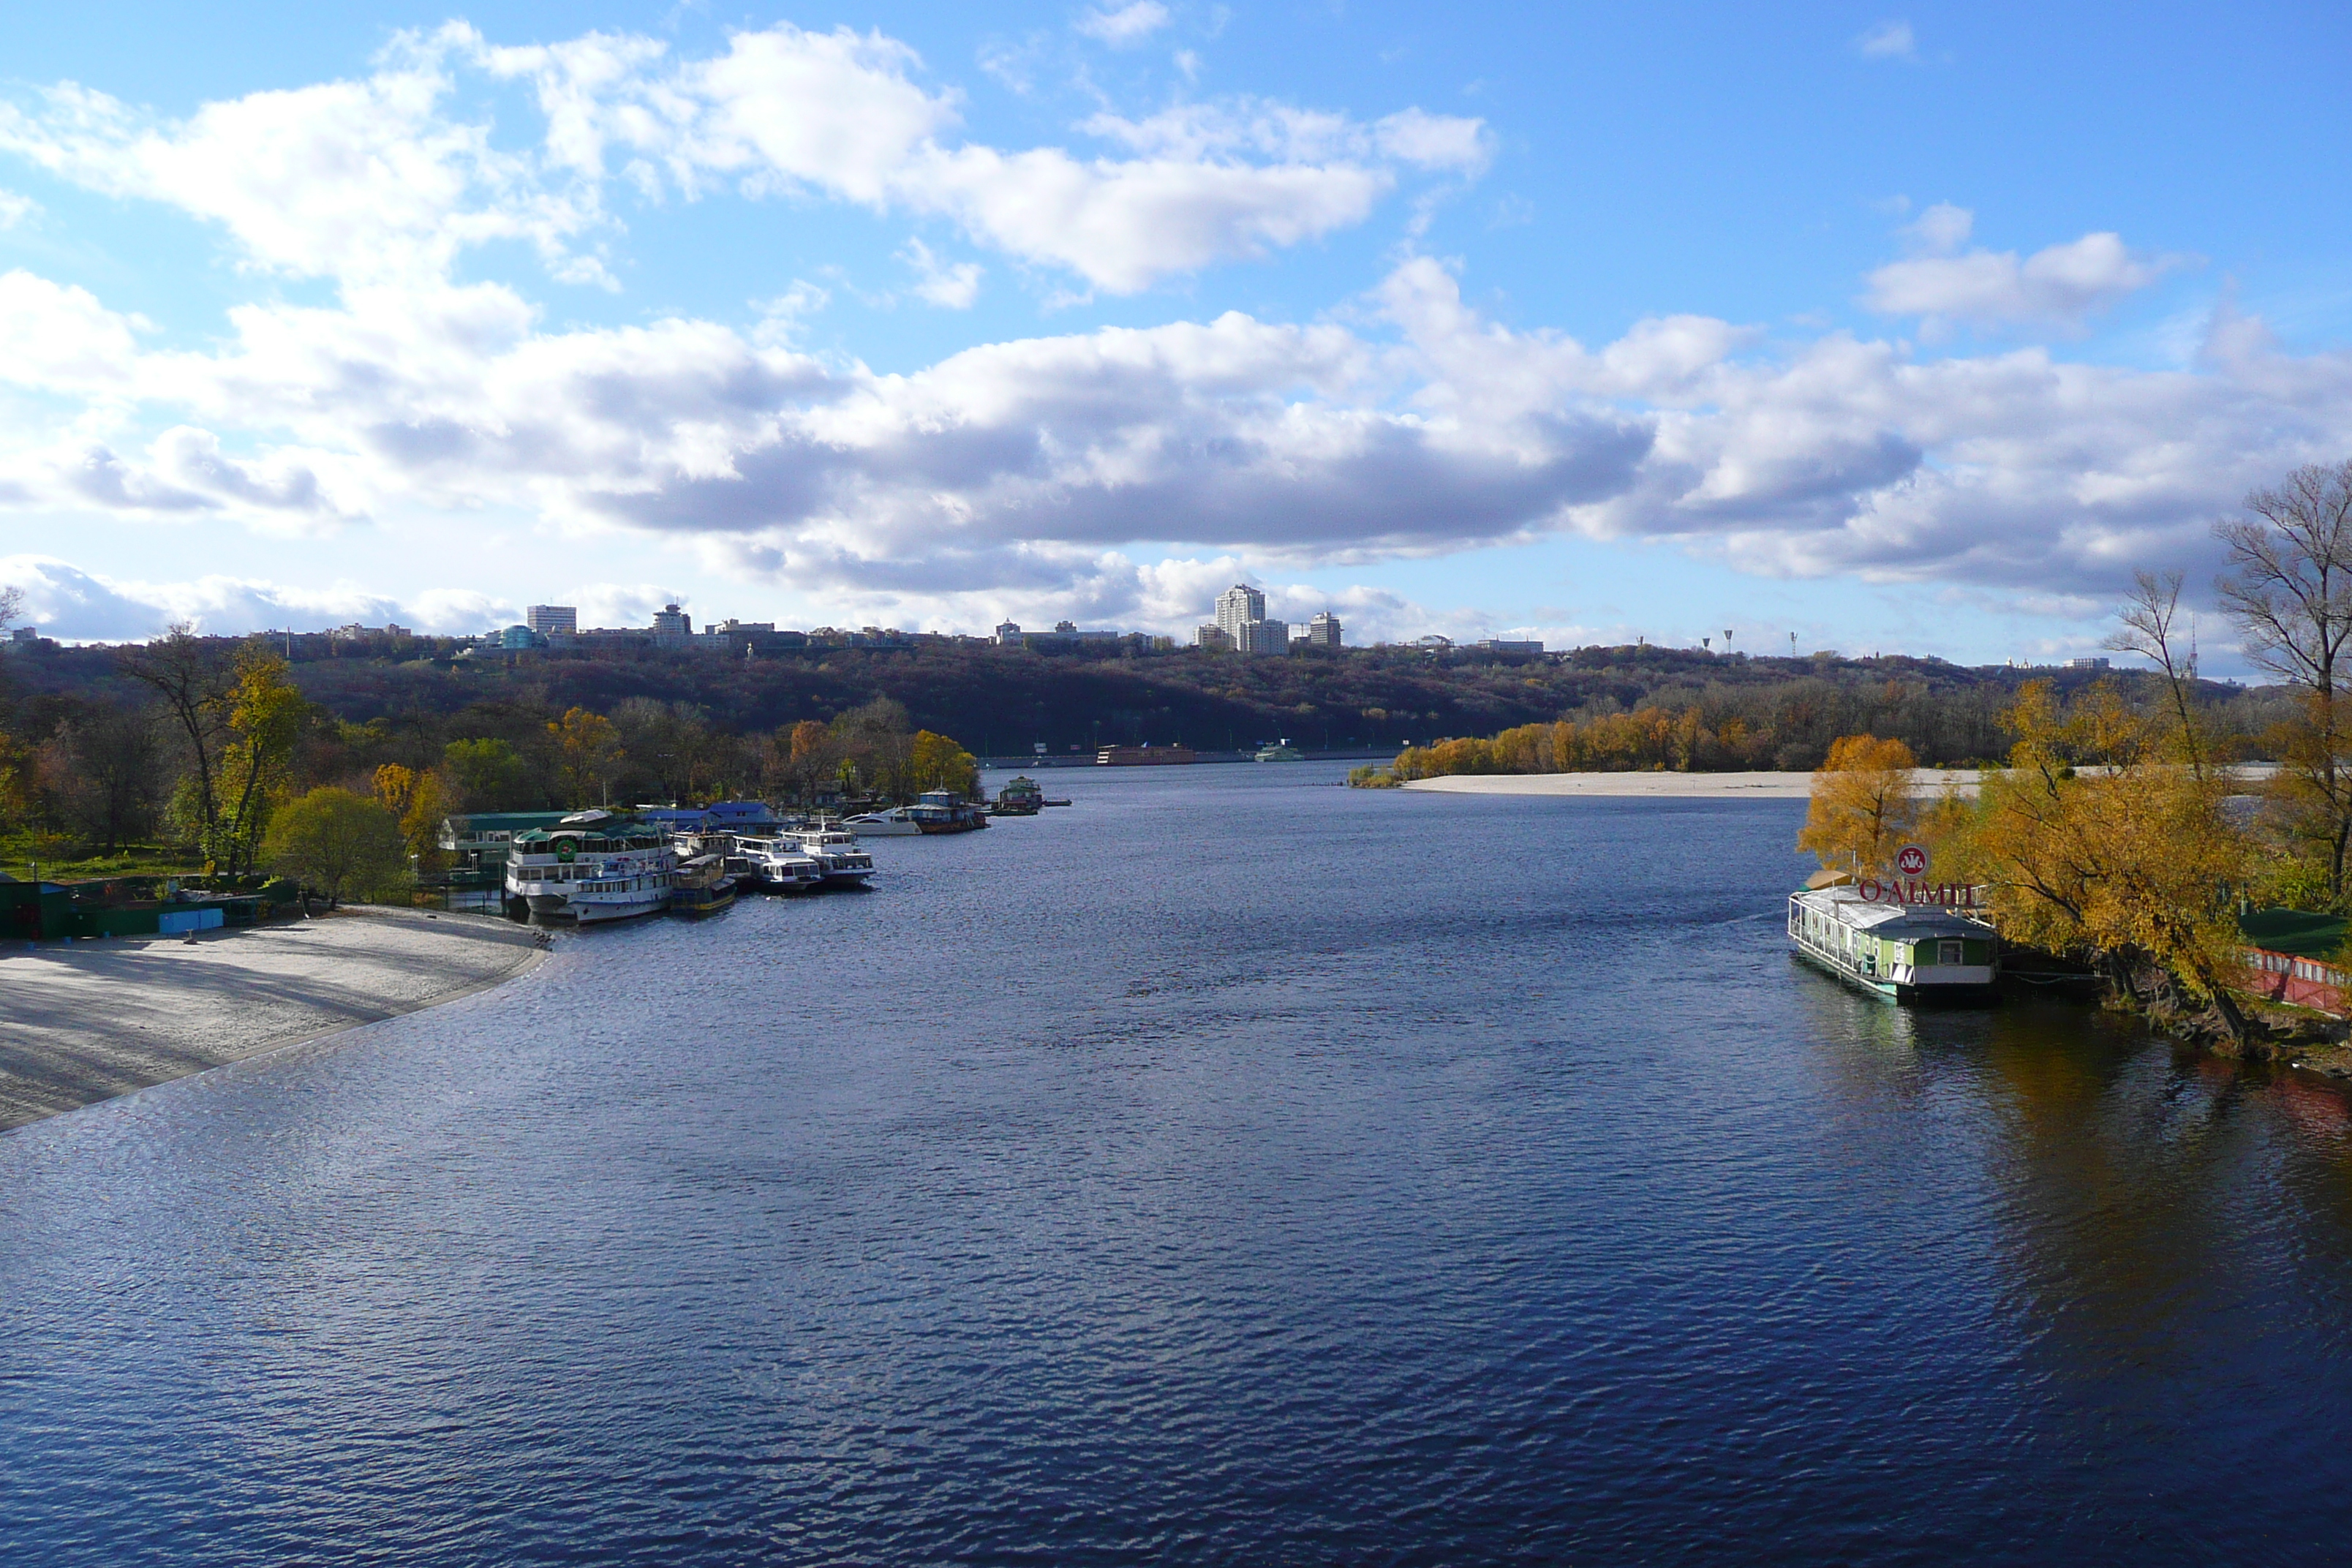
(2057, 288)
(1020, 467)
(1127, 26)
(1888, 40)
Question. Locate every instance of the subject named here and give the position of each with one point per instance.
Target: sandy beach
(85, 1021)
(1667, 786)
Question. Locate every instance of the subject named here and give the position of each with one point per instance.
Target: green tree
(489, 775)
(343, 845)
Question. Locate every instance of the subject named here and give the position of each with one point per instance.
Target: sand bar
(1667, 786)
(85, 1021)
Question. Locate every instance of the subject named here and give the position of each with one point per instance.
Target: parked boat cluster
(594, 867)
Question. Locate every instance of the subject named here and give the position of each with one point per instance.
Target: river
(1230, 1168)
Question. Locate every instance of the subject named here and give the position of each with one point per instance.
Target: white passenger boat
(1900, 940)
(843, 864)
(775, 864)
(593, 866)
(899, 822)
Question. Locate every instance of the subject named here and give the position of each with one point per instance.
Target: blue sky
(1914, 328)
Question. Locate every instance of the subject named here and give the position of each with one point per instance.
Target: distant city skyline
(1910, 330)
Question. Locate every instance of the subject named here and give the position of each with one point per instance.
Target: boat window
(1948, 953)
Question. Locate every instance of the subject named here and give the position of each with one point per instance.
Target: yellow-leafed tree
(1864, 806)
(414, 800)
(2104, 841)
(935, 762)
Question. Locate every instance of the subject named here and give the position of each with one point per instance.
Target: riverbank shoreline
(86, 1021)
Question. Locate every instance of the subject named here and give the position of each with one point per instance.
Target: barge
(1901, 942)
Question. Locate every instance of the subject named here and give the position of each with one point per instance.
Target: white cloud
(1125, 27)
(15, 209)
(68, 602)
(2058, 288)
(358, 180)
(1942, 229)
(379, 181)
(1889, 40)
(952, 286)
(59, 338)
(839, 114)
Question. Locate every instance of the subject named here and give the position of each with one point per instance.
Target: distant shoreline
(1656, 785)
(1667, 786)
(86, 1021)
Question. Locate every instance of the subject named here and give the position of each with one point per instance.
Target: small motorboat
(899, 822)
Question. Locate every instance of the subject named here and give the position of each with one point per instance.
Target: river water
(1230, 1168)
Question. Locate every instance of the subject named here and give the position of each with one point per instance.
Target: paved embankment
(1666, 786)
(85, 1021)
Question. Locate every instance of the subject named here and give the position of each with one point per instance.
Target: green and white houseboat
(1902, 942)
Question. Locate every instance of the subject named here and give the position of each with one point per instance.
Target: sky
(1824, 326)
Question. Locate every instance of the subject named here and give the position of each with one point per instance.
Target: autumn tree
(266, 715)
(2289, 589)
(340, 843)
(2100, 842)
(801, 758)
(935, 762)
(588, 756)
(414, 800)
(1863, 805)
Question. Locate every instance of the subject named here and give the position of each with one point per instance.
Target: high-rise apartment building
(1323, 631)
(1236, 607)
(672, 620)
(552, 620)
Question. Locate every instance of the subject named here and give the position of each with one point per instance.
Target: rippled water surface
(1230, 1168)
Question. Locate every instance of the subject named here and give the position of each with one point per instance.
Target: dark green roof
(2294, 931)
(475, 822)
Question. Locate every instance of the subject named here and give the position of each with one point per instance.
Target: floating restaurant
(1904, 941)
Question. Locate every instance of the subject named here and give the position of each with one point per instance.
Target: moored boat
(702, 887)
(939, 811)
(840, 862)
(1020, 796)
(1900, 942)
(777, 864)
(593, 866)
